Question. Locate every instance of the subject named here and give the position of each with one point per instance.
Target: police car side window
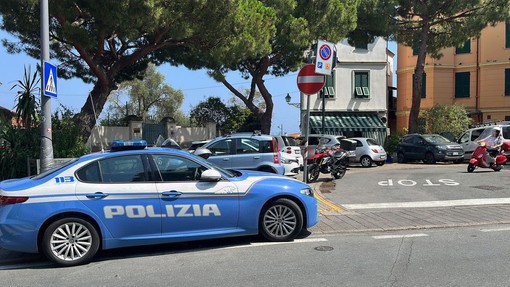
(89, 173)
(173, 168)
(122, 169)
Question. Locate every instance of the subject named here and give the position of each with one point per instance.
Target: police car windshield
(54, 169)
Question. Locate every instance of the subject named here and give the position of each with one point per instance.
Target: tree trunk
(86, 119)
(418, 80)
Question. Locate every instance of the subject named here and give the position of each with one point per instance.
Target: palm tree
(27, 105)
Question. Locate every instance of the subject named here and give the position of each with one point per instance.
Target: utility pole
(46, 131)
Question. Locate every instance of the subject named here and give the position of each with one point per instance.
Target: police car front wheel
(70, 241)
(281, 220)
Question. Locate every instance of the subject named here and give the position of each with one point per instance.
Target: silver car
(368, 151)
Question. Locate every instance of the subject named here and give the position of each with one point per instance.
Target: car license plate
(297, 151)
(455, 153)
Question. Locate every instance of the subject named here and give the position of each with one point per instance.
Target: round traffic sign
(308, 81)
(325, 52)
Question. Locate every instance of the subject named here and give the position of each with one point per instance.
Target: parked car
(468, 139)
(290, 164)
(290, 147)
(316, 140)
(429, 148)
(133, 195)
(246, 151)
(368, 151)
(197, 144)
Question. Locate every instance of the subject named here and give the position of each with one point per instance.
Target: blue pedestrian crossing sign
(50, 80)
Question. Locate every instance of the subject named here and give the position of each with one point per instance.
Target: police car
(133, 195)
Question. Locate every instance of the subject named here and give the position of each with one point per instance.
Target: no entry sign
(308, 81)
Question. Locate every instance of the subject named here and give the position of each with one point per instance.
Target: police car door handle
(226, 159)
(97, 195)
(256, 157)
(171, 193)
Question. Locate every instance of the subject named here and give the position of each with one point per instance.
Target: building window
(507, 82)
(507, 34)
(423, 86)
(507, 118)
(416, 51)
(465, 48)
(361, 85)
(462, 85)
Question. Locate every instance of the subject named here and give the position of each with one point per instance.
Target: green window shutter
(465, 49)
(329, 87)
(462, 85)
(507, 34)
(361, 85)
(423, 86)
(507, 82)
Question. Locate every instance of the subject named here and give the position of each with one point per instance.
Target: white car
(289, 148)
(368, 151)
(290, 164)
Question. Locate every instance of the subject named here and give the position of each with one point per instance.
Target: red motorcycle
(482, 158)
(327, 160)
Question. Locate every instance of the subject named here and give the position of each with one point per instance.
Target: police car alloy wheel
(70, 241)
(281, 220)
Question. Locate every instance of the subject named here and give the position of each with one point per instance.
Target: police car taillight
(118, 145)
(6, 200)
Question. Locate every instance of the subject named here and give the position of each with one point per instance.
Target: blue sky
(196, 86)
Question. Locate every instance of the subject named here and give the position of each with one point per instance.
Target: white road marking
(400, 236)
(261, 244)
(495, 229)
(439, 203)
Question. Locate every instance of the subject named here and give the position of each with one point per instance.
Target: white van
(468, 139)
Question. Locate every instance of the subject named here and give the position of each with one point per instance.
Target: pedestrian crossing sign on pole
(50, 80)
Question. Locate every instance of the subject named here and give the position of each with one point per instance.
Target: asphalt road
(419, 182)
(445, 257)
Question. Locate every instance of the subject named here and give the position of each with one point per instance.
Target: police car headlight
(307, 191)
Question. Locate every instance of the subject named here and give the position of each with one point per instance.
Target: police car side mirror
(210, 175)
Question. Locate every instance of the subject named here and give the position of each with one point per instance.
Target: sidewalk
(411, 218)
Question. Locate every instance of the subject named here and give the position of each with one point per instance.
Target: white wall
(375, 61)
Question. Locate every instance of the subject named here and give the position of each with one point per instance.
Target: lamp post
(288, 98)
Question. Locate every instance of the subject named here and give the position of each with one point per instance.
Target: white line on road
(400, 236)
(261, 244)
(495, 229)
(441, 203)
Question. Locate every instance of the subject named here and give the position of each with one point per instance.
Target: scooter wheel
(470, 168)
(497, 167)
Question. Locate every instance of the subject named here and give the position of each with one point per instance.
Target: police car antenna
(95, 116)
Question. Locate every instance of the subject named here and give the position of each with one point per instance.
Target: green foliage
(391, 143)
(21, 144)
(109, 42)
(66, 140)
(27, 101)
(147, 98)
(298, 24)
(453, 119)
(227, 118)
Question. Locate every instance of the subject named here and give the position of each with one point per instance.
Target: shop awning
(344, 122)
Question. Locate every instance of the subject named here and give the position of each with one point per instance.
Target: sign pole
(46, 153)
(307, 133)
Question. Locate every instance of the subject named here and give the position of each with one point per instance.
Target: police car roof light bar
(120, 145)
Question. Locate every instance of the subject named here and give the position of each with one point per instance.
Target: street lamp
(288, 98)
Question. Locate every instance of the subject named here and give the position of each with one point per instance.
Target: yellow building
(476, 76)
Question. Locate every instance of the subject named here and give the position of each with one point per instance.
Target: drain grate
(324, 248)
(488, 187)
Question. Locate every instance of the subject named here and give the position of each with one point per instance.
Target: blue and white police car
(134, 195)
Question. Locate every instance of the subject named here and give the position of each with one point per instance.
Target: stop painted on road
(425, 182)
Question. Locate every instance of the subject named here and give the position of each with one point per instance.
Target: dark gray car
(428, 148)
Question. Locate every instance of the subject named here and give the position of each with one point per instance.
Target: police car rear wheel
(281, 220)
(70, 241)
